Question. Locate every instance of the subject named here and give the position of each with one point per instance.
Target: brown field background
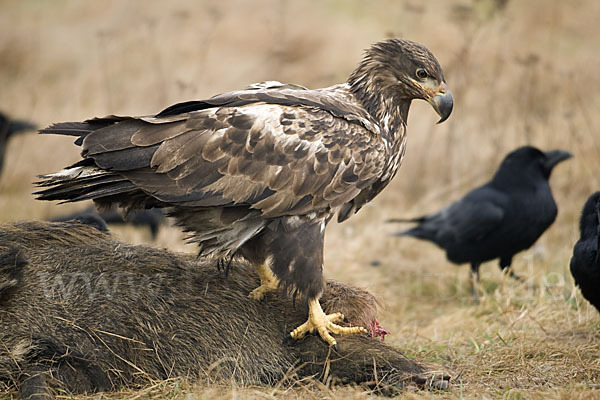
(521, 72)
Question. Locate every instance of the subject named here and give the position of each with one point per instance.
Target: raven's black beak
(554, 157)
(442, 102)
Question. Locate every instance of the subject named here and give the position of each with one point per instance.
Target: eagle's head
(393, 73)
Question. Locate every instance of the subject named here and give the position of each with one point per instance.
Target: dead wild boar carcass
(84, 312)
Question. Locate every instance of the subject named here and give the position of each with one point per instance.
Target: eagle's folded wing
(280, 159)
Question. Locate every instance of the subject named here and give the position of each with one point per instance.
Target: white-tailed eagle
(259, 172)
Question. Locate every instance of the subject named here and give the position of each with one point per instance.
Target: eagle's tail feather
(68, 128)
(82, 183)
(81, 129)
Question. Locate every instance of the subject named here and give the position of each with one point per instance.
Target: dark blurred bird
(499, 219)
(585, 263)
(259, 172)
(152, 219)
(8, 128)
(87, 218)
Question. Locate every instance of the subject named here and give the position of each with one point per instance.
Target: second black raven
(585, 263)
(499, 219)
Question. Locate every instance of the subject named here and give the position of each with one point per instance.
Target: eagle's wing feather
(279, 159)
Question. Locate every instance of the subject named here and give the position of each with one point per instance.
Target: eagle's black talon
(346, 320)
(335, 348)
(223, 265)
(288, 339)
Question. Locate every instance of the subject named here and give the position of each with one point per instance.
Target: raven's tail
(16, 126)
(406, 220)
(415, 231)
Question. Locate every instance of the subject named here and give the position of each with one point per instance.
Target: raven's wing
(469, 219)
(285, 151)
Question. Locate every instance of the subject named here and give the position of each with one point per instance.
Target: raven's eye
(421, 73)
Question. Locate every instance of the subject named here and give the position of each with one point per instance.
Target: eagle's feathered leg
(289, 254)
(323, 324)
(268, 282)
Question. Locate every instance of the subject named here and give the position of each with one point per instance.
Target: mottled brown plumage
(260, 171)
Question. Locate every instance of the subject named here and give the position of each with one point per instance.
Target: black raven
(87, 218)
(585, 263)
(8, 128)
(152, 218)
(499, 219)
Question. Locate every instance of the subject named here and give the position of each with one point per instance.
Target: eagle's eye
(421, 73)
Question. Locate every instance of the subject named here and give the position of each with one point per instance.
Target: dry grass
(525, 73)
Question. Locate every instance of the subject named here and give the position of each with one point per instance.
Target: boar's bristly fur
(84, 312)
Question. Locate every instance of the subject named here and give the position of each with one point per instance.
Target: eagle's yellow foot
(268, 283)
(322, 323)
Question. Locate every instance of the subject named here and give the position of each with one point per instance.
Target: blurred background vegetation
(521, 72)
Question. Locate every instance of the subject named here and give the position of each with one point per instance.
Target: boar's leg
(34, 383)
(49, 363)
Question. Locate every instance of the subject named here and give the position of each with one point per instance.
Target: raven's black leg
(513, 275)
(475, 281)
(505, 266)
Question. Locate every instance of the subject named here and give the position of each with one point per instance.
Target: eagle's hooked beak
(442, 102)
